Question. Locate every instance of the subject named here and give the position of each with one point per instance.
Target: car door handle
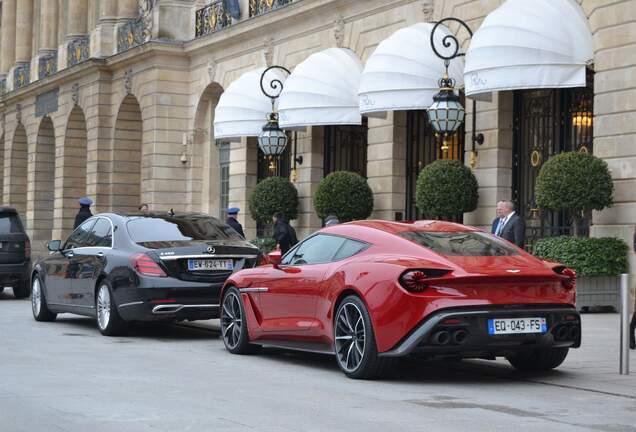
(100, 255)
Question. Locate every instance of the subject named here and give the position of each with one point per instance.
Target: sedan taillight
(146, 266)
(27, 249)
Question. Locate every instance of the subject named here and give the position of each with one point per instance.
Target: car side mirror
(54, 245)
(274, 258)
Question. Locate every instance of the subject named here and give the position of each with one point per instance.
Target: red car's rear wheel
(354, 341)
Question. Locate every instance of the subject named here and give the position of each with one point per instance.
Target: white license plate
(502, 326)
(210, 264)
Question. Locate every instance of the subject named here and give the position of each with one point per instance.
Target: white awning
(243, 108)
(322, 90)
(403, 72)
(528, 45)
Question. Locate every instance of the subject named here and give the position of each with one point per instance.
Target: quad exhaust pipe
(567, 332)
(445, 337)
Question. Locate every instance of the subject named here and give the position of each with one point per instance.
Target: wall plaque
(46, 103)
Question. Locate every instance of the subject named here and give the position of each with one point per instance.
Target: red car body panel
(300, 301)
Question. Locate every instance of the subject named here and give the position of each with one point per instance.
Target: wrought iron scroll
(275, 84)
(78, 50)
(21, 75)
(211, 18)
(259, 7)
(139, 30)
(47, 65)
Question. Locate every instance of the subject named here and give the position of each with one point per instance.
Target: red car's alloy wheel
(350, 337)
(231, 320)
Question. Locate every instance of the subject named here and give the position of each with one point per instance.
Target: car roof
(420, 225)
(161, 214)
(8, 210)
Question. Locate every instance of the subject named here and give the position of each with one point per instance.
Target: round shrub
(273, 195)
(446, 188)
(345, 195)
(605, 256)
(575, 182)
(264, 244)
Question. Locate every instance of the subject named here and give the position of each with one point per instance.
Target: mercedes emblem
(211, 250)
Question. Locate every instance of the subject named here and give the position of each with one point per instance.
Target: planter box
(598, 291)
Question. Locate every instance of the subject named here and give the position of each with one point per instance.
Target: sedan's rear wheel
(354, 339)
(108, 320)
(234, 324)
(541, 359)
(39, 307)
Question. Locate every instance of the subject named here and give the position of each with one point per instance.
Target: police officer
(84, 211)
(232, 214)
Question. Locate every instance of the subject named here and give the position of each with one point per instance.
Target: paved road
(65, 376)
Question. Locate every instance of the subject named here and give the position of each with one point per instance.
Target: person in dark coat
(510, 227)
(84, 211)
(284, 234)
(232, 214)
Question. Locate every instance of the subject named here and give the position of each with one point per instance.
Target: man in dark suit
(495, 223)
(510, 227)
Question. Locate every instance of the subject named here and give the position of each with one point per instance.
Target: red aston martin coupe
(371, 291)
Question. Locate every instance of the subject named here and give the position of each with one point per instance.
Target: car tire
(21, 290)
(234, 324)
(354, 341)
(109, 322)
(540, 359)
(40, 309)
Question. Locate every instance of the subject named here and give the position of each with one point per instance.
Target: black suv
(15, 253)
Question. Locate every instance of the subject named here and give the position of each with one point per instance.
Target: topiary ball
(446, 188)
(271, 196)
(574, 181)
(345, 195)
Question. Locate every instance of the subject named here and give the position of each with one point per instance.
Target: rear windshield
(10, 224)
(468, 243)
(179, 229)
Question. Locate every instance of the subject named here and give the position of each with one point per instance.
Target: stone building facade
(115, 99)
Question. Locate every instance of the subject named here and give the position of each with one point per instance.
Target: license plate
(209, 265)
(502, 326)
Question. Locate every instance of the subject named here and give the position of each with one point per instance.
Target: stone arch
(70, 173)
(15, 179)
(41, 185)
(126, 157)
(203, 182)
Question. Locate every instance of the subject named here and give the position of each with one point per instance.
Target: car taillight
(570, 282)
(414, 281)
(146, 266)
(27, 248)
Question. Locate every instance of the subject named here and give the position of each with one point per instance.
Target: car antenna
(171, 212)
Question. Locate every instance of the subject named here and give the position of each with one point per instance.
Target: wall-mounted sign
(46, 103)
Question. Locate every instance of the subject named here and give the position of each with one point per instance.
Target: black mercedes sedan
(121, 268)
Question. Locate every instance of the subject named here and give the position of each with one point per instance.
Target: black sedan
(139, 267)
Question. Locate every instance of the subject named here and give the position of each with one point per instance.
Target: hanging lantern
(447, 113)
(272, 139)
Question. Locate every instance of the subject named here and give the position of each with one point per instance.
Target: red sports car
(371, 291)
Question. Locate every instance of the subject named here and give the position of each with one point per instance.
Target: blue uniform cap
(86, 201)
(233, 210)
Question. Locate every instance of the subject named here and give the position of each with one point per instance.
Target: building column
(104, 38)
(48, 22)
(23, 24)
(126, 9)
(77, 18)
(243, 176)
(7, 33)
